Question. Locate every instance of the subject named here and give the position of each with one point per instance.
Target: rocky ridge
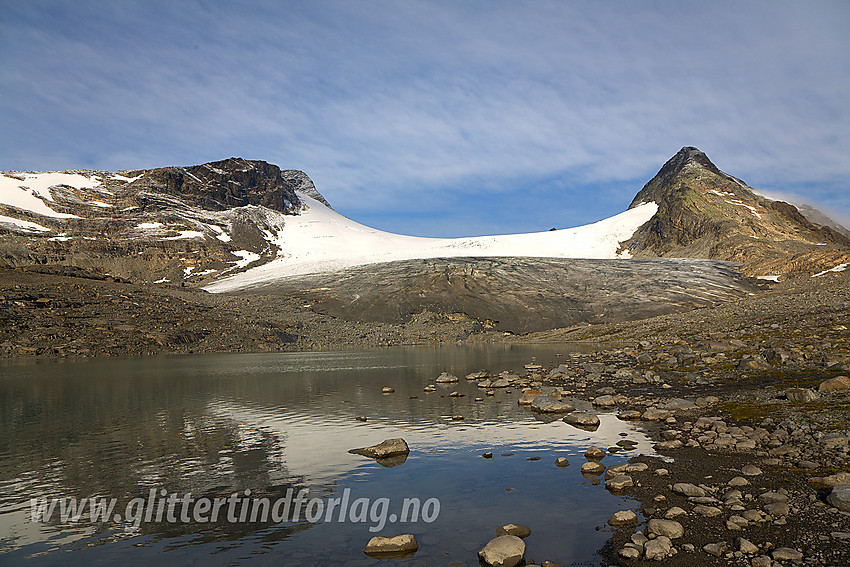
(172, 224)
(706, 213)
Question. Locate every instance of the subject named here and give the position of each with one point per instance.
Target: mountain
(817, 217)
(240, 224)
(172, 224)
(233, 224)
(706, 213)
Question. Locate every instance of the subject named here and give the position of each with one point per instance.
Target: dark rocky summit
(706, 213)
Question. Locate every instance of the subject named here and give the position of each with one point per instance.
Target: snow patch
(769, 278)
(186, 234)
(118, 177)
(26, 225)
(836, 269)
(149, 225)
(163, 280)
(247, 257)
(99, 204)
(321, 240)
(220, 234)
(32, 191)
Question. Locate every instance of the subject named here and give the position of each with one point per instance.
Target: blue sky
(438, 118)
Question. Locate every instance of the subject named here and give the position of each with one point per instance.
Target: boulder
(606, 401)
(388, 448)
(840, 497)
(655, 415)
(518, 530)
(594, 453)
(400, 544)
(786, 554)
(446, 378)
(687, 489)
(667, 528)
(545, 404)
(582, 419)
(623, 518)
(835, 384)
(592, 468)
(678, 404)
(658, 549)
(801, 395)
(527, 397)
(832, 481)
(503, 551)
(620, 482)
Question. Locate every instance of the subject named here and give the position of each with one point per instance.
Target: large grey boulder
(840, 497)
(668, 528)
(503, 551)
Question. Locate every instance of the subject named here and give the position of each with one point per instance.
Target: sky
(438, 118)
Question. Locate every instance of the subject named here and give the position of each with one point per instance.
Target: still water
(215, 425)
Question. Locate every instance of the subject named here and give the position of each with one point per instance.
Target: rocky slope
(706, 213)
(518, 295)
(172, 224)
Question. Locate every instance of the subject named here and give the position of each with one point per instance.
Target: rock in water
(446, 378)
(582, 419)
(404, 544)
(623, 518)
(518, 530)
(388, 448)
(503, 551)
(594, 453)
(545, 404)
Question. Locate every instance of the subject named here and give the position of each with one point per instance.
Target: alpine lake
(259, 425)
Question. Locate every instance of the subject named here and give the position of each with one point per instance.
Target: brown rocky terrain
(706, 213)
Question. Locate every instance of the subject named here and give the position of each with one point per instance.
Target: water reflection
(213, 425)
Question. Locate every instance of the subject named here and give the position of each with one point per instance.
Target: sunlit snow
(26, 225)
(321, 240)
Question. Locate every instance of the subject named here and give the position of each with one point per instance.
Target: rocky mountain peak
(706, 213)
(229, 183)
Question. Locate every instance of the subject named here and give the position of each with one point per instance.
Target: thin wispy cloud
(437, 117)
